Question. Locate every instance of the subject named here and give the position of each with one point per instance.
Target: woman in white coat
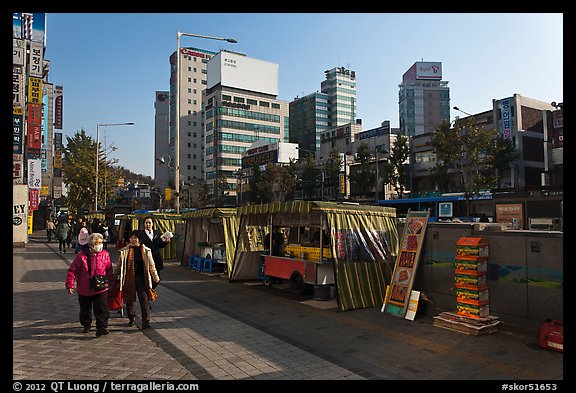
(136, 274)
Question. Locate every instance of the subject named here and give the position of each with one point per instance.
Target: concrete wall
(525, 269)
(19, 215)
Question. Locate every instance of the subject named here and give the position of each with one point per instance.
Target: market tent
(210, 226)
(164, 222)
(128, 222)
(364, 243)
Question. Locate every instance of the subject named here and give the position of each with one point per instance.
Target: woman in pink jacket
(88, 298)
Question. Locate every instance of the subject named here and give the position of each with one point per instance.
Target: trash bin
(321, 292)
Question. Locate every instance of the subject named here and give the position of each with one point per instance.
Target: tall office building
(424, 99)
(240, 107)
(193, 80)
(308, 120)
(161, 138)
(340, 86)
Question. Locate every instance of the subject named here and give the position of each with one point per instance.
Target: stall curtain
(247, 257)
(231, 224)
(364, 247)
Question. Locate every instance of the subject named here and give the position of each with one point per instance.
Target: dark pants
(99, 304)
(142, 292)
(61, 245)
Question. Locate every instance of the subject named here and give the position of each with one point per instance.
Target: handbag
(97, 282)
(152, 295)
(114, 298)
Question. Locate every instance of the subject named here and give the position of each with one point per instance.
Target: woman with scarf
(136, 274)
(95, 261)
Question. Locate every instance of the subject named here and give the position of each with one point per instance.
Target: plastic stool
(207, 265)
(196, 263)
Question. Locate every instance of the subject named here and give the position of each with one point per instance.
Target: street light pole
(98, 155)
(177, 120)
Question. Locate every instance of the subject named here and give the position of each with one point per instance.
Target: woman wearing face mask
(96, 299)
(136, 273)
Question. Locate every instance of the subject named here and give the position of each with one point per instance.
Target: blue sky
(110, 65)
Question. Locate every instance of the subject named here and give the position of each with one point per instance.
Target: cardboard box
(468, 281)
(472, 311)
(478, 297)
(469, 267)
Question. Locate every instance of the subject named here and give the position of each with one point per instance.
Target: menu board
(398, 296)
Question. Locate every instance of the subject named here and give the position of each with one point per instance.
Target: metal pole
(377, 178)
(177, 129)
(97, 158)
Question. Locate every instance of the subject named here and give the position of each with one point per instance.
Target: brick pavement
(204, 328)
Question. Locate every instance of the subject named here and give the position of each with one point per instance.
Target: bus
(445, 207)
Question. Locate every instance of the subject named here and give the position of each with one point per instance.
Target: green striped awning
(210, 212)
(309, 206)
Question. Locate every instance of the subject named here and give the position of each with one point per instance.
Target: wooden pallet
(467, 325)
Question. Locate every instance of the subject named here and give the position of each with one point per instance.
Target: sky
(110, 65)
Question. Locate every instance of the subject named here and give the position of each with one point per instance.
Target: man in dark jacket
(151, 238)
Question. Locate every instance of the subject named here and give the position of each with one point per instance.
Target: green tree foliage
(275, 184)
(363, 177)
(310, 175)
(332, 169)
(79, 171)
(397, 169)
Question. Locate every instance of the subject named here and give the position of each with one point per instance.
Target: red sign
(34, 137)
(34, 193)
(58, 112)
(35, 114)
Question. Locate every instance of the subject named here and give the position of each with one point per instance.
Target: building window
(204, 82)
(195, 91)
(251, 101)
(195, 80)
(189, 112)
(188, 144)
(239, 100)
(275, 106)
(189, 79)
(195, 69)
(189, 101)
(189, 68)
(265, 104)
(226, 97)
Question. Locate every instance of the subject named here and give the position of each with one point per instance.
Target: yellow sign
(342, 184)
(167, 194)
(34, 90)
(45, 191)
(30, 223)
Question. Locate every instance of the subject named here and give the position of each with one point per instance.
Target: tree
(504, 153)
(363, 177)
(275, 184)
(80, 160)
(220, 190)
(332, 169)
(397, 170)
(469, 149)
(309, 177)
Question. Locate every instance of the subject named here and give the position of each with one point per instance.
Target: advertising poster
(398, 297)
(510, 213)
(34, 174)
(34, 90)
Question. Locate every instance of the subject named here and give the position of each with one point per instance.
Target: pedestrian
(78, 225)
(61, 232)
(484, 218)
(105, 234)
(136, 274)
(70, 233)
(82, 240)
(152, 238)
(95, 262)
(50, 227)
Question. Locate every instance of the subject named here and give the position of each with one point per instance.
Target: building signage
(235, 105)
(428, 70)
(58, 140)
(34, 194)
(17, 166)
(58, 102)
(506, 122)
(34, 90)
(34, 138)
(34, 114)
(189, 52)
(445, 209)
(17, 133)
(264, 158)
(17, 86)
(260, 149)
(34, 174)
(18, 52)
(510, 213)
(58, 189)
(36, 59)
(57, 158)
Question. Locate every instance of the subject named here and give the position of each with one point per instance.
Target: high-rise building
(424, 99)
(308, 120)
(340, 86)
(193, 80)
(240, 107)
(161, 139)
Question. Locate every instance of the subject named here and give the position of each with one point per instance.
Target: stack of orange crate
(471, 266)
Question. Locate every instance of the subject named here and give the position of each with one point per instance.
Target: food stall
(326, 243)
(164, 222)
(211, 233)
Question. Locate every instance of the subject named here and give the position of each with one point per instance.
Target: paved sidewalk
(205, 328)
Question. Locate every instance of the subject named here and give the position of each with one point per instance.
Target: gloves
(155, 284)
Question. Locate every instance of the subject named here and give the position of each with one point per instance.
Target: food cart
(351, 247)
(211, 233)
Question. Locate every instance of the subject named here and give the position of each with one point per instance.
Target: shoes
(102, 332)
(145, 325)
(86, 329)
(131, 323)
(64, 251)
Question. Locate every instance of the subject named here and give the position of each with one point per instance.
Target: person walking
(70, 233)
(152, 239)
(95, 262)
(82, 239)
(105, 234)
(136, 274)
(77, 226)
(61, 232)
(50, 228)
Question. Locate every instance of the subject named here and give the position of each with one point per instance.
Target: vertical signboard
(18, 52)
(506, 121)
(17, 86)
(398, 295)
(36, 59)
(34, 90)
(34, 196)
(58, 102)
(17, 120)
(19, 214)
(34, 174)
